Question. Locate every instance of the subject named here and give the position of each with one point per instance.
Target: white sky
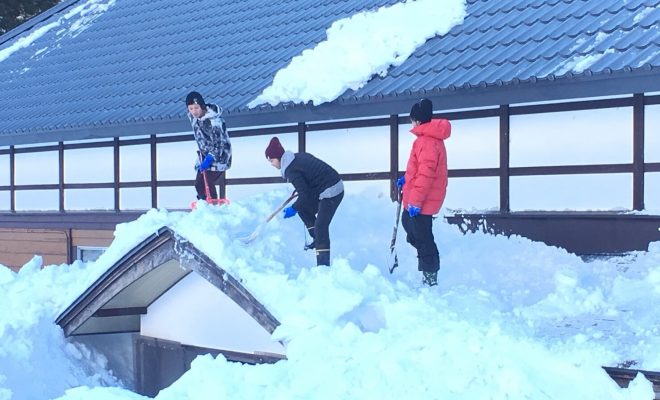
(510, 317)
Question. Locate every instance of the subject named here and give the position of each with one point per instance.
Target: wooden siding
(18, 246)
(92, 238)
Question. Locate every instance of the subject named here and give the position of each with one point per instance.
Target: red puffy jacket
(426, 173)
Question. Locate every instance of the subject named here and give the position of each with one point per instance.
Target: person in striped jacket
(210, 132)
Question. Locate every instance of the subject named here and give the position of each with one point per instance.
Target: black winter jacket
(310, 176)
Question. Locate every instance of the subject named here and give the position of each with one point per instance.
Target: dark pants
(213, 178)
(317, 218)
(420, 236)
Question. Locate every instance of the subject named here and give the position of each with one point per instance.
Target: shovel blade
(254, 235)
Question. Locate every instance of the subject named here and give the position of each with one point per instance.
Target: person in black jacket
(320, 190)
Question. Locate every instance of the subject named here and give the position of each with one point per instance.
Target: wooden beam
(505, 126)
(117, 312)
(60, 156)
(302, 137)
(394, 156)
(12, 178)
(116, 172)
(638, 152)
(154, 172)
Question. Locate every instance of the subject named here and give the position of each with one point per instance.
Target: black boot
(323, 257)
(430, 278)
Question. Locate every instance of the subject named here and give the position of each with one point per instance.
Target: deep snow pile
(510, 318)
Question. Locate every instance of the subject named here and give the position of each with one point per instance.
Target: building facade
(554, 107)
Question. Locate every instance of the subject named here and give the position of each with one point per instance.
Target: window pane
(89, 199)
(242, 192)
(89, 165)
(572, 192)
(473, 194)
(4, 170)
(572, 138)
(135, 198)
(38, 200)
(652, 133)
(352, 150)
(135, 163)
(86, 254)
(405, 144)
(249, 159)
(177, 197)
(37, 168)
(176, 160)
(652, 191)
(5, 200)
(379, 188)
(474, 143)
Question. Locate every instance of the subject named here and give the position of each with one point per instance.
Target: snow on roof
(509, 318)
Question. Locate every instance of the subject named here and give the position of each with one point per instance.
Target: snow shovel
(208, 199)
(257, 232)
(396, 227)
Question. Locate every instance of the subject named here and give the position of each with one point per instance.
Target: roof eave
(611, 83)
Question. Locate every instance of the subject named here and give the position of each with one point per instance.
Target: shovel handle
(257, 231)
(281, 207)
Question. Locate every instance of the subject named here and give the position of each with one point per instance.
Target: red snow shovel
(257, 232)
(209, 199)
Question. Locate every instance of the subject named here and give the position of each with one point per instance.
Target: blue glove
(400, 182)
(289, 212)
(413, 211)
(206, 164)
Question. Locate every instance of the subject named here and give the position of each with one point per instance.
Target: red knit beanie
(274, 149)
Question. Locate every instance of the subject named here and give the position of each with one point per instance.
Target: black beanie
(195, 98)
(422, 111)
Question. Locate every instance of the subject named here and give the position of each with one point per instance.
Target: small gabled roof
(123, 67)
(115, 302)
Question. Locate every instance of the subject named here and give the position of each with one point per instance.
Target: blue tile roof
(128, 69)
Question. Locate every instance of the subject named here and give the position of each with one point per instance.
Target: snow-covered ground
(510, 318)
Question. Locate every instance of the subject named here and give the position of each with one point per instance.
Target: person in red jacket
(424, 186)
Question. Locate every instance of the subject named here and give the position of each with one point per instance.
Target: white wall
(194, 312)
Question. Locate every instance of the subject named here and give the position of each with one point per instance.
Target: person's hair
(422, 111)
(195, 98)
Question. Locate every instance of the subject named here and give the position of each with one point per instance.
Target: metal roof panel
(136, 61)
